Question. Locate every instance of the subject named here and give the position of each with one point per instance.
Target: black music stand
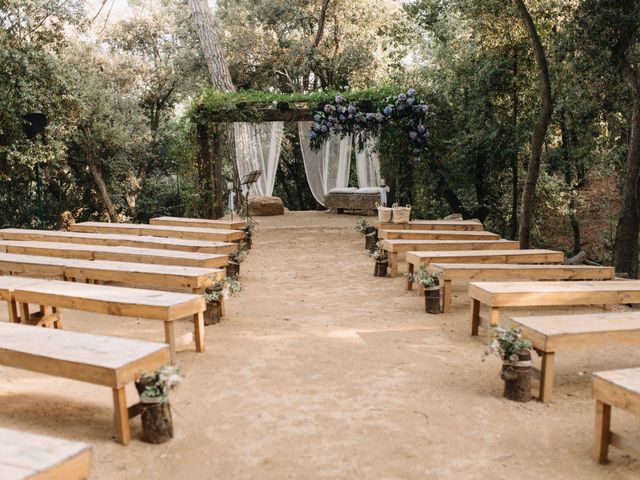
(249, 179)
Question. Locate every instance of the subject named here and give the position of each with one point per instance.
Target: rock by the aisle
(265, 206)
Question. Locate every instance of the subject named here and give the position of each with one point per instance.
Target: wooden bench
(465, 225)
(227, 224)
(119, 301)
(484, 271)
(192, 233)
(119, 240)
(193, 279)
(545, 294)
(27, 456)
(616, 388)
(436, 235)
(394, 247)
(415, 259)
(116, 254)
(551, 334)
(109, 361)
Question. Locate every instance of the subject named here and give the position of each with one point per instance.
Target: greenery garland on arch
(403, 111)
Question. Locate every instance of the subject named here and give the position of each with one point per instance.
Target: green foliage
(507, 344)
(425, 277)
(222, 289)
(158, 384)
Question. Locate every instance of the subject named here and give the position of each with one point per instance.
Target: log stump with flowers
(215, 296)
(235, 259)
(430, 281)
(368, 232)
(515, 353)
(154, 388)
(380, 257)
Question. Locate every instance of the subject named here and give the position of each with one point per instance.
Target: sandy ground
(321, 370)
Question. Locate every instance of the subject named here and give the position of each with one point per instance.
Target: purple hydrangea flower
(413, 135)
(327, 108)
(317, 117)
(400, 107)
(316, 126)
(351, 109)
(342, 118)
(425, 108)
(388, 110)
(340, 109)
(339, 99)
(331, 119)
(411, 92)
(350, 117)
(312, 134)
(421, 129)
(410, 100)
(402, 97)
(323, 129)
(369, 116)
(379, 117)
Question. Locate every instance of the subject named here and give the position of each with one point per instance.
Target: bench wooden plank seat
(193, 279)
(394, 247)
(27, 456)
(167, 307)
(554, 333)
(193, 233)
(119, 240)
(464, 225)
(436, 235)
(109, 361)
(116, 254)
(532, 256)
(615, 388)
(225, 223)
(552, 293)
(466, 272)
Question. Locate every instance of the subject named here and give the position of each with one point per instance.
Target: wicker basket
(401, 214)
(385, 214)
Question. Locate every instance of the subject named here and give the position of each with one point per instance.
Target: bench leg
(546, 377)
(475, 316)
(198, 331)
(121, 416)
(13, 312)
(24, 313)
(603, 432)
(409, 282)
(393, 263)
(446, 296)
(494, 316)
(170, 339)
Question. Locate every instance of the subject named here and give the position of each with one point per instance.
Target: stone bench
(339, 202)
(37, 457)
(484, 271)
(109, 361)
(496, 295)
(119, 240)
(616, 388)
(394, 247)
(552, 334)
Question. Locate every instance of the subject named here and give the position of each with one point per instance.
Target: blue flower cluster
(343, 117)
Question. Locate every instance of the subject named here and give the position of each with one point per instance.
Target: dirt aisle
(323, 371)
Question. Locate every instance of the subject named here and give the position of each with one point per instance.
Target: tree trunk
(102, 189)
(626, 246)
(514, 154)
(539, 129)
(220, 79)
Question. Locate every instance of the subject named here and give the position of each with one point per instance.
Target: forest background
(116, 85)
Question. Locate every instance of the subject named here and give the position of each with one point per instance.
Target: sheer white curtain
(258, 148)
(368, 164)
(328, 167)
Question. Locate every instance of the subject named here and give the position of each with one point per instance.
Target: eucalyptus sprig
(222, 289)
(508, 344)
(361, 226)
(158, 384)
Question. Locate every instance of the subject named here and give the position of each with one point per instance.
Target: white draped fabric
(368, 165)
(258, 148)
(328, 167)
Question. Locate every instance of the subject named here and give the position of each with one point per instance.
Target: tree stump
(213, 313)
(432, 300)
(380, 269)
(157, 423)
(233, 269)
(370, 238)
(517, 378)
